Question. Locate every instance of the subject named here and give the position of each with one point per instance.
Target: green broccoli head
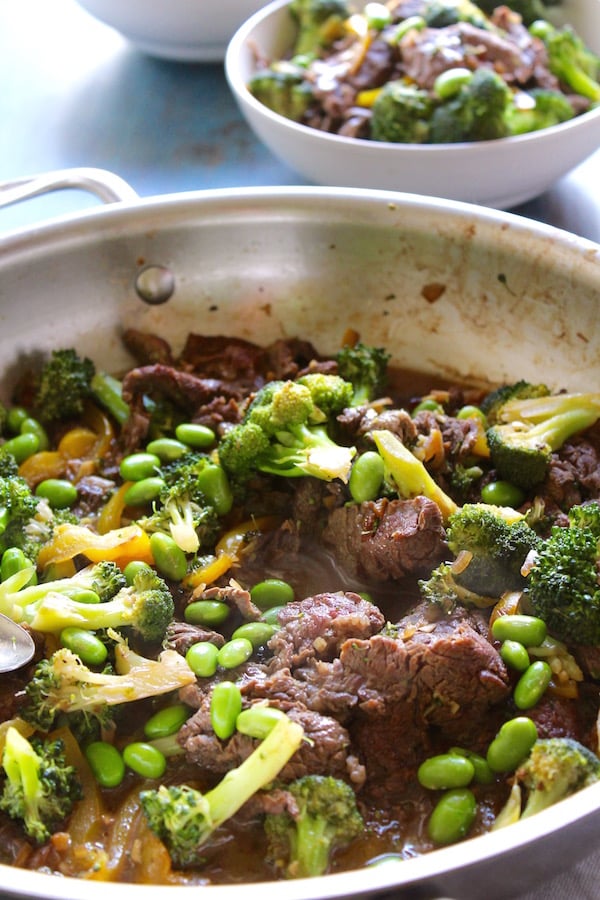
(528, 431)
(498, 543)
(18, 506)
(538, 108)
(40, 787)
(529, 10)
(319, 23)
(283, 88)
(493, 402)
(441, 13)
(327, 819)
(401, 114)
(563, 587)
(285, 433)
(330, 393)
(63, 687)
(366, 368)
(555, 769)
(574, 64)
(63, 386)
(476, 113)
(443, 590)
(184, 818)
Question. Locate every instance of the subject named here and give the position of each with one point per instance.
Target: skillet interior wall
(473, 300)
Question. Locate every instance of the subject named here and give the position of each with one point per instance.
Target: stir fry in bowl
(429, 71)
(293, 614)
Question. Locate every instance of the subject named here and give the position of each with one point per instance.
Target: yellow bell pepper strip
(43, 465)
(228, 549)
(410, 476)
(120, 545)
(112, 512)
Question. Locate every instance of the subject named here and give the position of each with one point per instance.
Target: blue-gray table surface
(74, 93)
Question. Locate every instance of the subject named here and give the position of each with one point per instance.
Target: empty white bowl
(184, 30)
(500, 173)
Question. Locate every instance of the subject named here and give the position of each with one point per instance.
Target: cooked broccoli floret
(563, 587)
(63, 386)
(528, 431)
(477, 112)
(196, 494)
(529, 10)
(40, 787)
(63, 685)
(365, 368)
(330, 393)
(319, 22)
(284, 433)
(539, 108)
(443, 589)
(569, 59)
(146, 606)
(498, 541)
(493, 402)
(325, 818)
(18, 506)
(184, 818)
(401, 114)
(407, 474)
(284, 89)
(555, 769)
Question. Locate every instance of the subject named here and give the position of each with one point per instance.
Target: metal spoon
(16, 645)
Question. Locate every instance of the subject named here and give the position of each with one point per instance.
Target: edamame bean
(502, 493)
(452, 816)
(270, 616)
(366, 477)
(258, 633)
(167, 449)
(212, 481)
(448, 84)
(169, 559)
(139, 465)
(15, 418)
(234, 653)
(144, 759)
(515, 655)
(133, 568)
(206, 612)
(429, 404)
(22, 446)
(60, 493)
(512, 744)
(194, 435)
(80, 594)
(106, 763)
(377, 15)
(258, 721)
(202, 659)
(482, 772)
(447, 770)
(527, 630)
(531, 686)
(144, 491)
(471, 412)
(85, 644)
(271, 592)
(411, 22)
(166, 721)
(32, 426)
(225, 707)
(13, 561)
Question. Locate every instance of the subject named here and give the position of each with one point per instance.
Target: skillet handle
(108, 187)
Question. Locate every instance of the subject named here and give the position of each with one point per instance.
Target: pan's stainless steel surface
(515, 299)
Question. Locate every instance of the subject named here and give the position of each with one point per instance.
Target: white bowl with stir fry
(386, 105)
(291, 604)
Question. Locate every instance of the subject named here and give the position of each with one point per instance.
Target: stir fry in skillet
(293, 614)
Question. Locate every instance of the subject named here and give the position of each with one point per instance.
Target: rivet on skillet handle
(155, 284)
(107, 186)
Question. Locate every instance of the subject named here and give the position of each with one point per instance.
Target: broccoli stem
(312, 846)
(107, 391)
(258, 770)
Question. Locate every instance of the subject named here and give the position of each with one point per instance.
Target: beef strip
(147, 348)
(181, 636)
(387, 540)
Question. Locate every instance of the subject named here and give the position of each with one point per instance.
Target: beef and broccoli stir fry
(429, 71)
(293, 614)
